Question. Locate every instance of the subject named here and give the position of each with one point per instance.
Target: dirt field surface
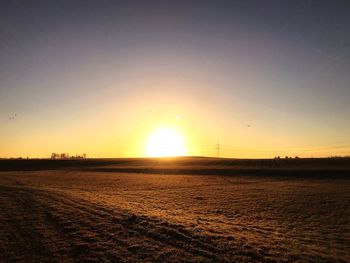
(78, 213)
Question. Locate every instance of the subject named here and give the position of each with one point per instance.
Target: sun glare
(165, 142)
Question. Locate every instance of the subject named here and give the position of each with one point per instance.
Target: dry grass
(69, 216)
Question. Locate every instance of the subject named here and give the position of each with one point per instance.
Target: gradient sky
(264, 78)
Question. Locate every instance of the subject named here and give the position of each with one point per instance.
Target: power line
(343, 146)
(218, 147)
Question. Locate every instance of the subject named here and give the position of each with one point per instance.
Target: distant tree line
(287, 157)
(68, 156)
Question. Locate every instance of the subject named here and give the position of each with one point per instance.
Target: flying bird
(13, 117)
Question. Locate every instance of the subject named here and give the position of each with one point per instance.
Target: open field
(183, 210)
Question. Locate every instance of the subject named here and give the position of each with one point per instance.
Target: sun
(165, 142)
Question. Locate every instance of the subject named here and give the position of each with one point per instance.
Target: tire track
(25, 236)
(77, 230)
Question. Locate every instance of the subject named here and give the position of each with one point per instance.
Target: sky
(261, 78)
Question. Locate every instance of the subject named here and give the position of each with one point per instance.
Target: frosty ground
(92, 215)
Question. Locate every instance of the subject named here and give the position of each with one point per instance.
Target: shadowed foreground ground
(75, 215)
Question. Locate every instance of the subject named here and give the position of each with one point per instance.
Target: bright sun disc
(165, 143)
